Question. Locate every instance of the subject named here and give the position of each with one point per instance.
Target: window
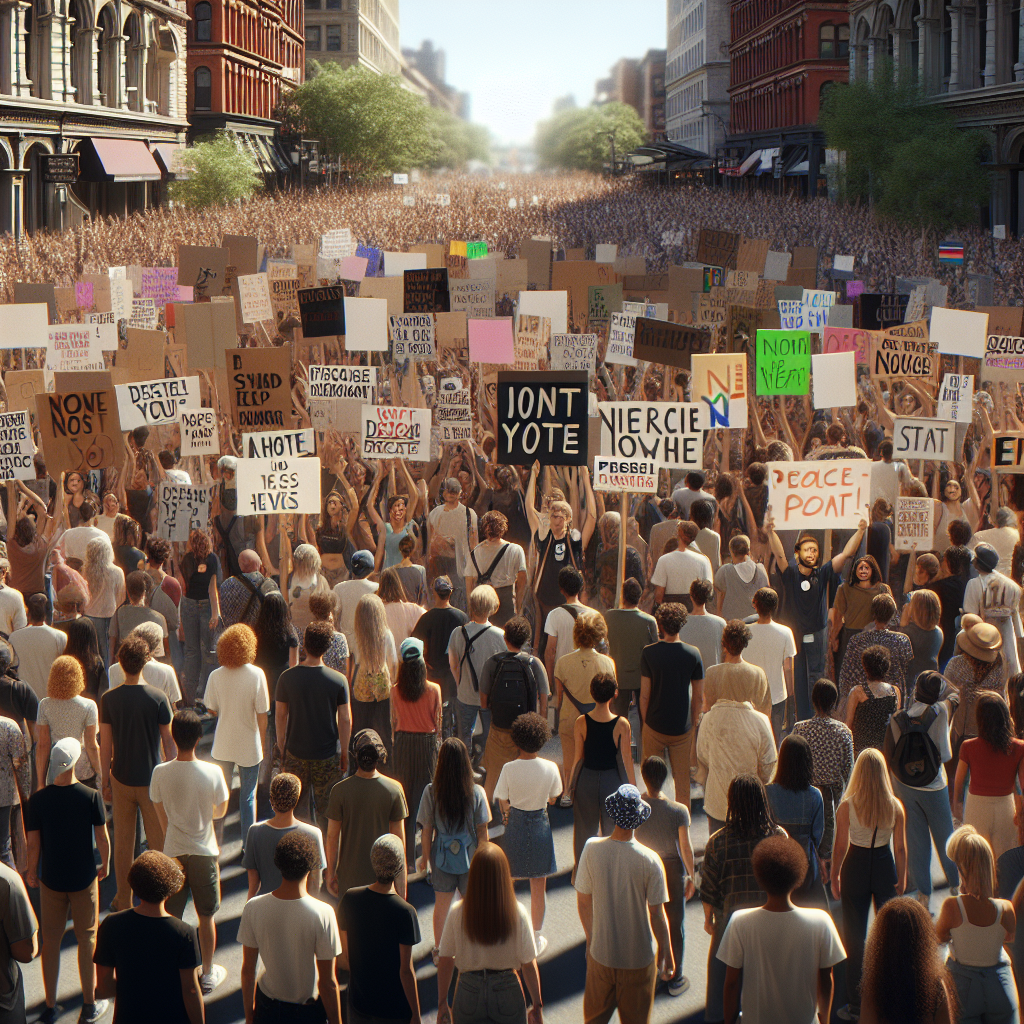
(312, 5)
(204, 22)
(334, 5)
(333, 36)
(203, 89)
(827, 41)
(312, 37)
(843, 42)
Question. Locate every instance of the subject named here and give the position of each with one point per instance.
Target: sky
(516, 58)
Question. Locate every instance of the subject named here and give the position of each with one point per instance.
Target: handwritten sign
(659, 341)
(452, 411)
(924, 438)
(846, 339)
(16, 446)
(783, 362)
(81, 430)
(543, 416)
(343, 382)
(74, 347)
(412, 337)
(276, 444)
(668, 434)
(474, 296)
(259, 385)
(1004, 358)
(160, 284)
(956, 398)
(719, 384)
(153, 402)
(390, 432)
(718, 248)
(1008, 453)
(278, 485)
(621, 330)
(254, 298)
(532, 336)
(199, 433)
(639, 476)
(901, 357)
(574, 352)
(915, 523)
(143, 314)
(181, 510)
(819, 495)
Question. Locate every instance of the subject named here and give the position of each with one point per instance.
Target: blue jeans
(808, 668)
(987, 995)
(928, 818)
(247, 779)
(467, 722)
(200, 656)
(177, 653)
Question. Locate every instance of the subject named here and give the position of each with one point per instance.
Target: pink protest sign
(491, 341)
(846, 339)
(353, 268)
(160, 284)
(83, 294)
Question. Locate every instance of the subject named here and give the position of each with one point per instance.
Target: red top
(418, 717)
(992, 773)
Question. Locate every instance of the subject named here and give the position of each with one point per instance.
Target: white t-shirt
(506, 571)
(238, 695)
(759, 941)
(348, 593)
(518, 949)
(560, 624)
(456, 525)
(12, 610)
(770, 645)
(155, 673)
(78, 538)
(528, 784)
(291, 936)
(189, 791)
(676, 570)
(37, 648)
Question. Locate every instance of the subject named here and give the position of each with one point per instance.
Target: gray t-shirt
(660, 832)
(705, 633)
(485, 641)
(260, 844)
(739, 594)
(426, 816)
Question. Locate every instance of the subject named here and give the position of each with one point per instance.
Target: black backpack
(912, 755)
(511, 692)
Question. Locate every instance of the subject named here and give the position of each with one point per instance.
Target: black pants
(274, 1011)
(868, 876)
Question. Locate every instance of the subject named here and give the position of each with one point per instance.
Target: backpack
(453, 851)
(485, 576)
(912, 755)
(997, 600)
(268, 586)
(511, 693)
(470, 641)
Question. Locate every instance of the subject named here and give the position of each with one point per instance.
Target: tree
(219, 172)
(903, 155)
(455, 142)
(578, 139)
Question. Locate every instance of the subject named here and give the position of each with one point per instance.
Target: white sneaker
(208, 982)
(677, 988)
(542, 944)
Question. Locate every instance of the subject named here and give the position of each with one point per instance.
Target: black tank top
(599, 748)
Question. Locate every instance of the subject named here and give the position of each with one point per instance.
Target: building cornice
(28, 114)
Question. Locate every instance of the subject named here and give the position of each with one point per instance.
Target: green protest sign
(476, 250)
(783, 362)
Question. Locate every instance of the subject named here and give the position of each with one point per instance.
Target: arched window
(843, 42)
(827, 41)
(203, 89)
(204, 22)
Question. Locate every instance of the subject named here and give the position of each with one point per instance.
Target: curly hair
(736, 636)
(199, 545)
(779, 864)
(157, 551)
(296, 854)
(66, 679)
(493, 525)
(285, 790)
(317, 638)
(603, 687)
(876, 661)
(518, 632)
(530, 732)
(236, 646)
(671, 617)
(701, 591)
(154, 877)
(589, 630)
(994, 724)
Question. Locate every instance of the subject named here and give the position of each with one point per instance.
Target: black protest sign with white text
(543, 417)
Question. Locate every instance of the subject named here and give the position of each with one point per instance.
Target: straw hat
(980, 639)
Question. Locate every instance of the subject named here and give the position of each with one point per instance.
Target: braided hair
(749, 814)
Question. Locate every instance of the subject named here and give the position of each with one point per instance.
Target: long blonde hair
(99, 570)
(371, 634)
(870, 792)
(972, 855)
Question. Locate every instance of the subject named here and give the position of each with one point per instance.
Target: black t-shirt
(135, 714)
(313, 695)
(64, 817)
(806, 608)
(560, 553)
(377, 924)
(197, 578)
(18, 701)
(272, 656)
(879, 539)
(128, 558)
(147, 954)
(435, 628)
(671, 667)
(950, 591)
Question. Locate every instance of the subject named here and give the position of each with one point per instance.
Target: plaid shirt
(235, 595)
(727, 879)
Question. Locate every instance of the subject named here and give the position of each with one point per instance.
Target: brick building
(639, 84)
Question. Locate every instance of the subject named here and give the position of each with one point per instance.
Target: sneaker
(208, 982)
(542, 944)
(678, 987)
(50, 1014)
(848, 1013)
(566, 801)
(92, 1012)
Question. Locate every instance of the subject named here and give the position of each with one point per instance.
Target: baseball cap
(411, 649)
(442, 585)
(362, 563)
(64, 755)
(366, 740)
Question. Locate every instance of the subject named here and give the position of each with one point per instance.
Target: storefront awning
(800, 168)
(117, 160)
(168, 156)
(767, 156)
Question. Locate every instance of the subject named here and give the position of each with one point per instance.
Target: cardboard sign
(160, 284)
(475, 297)
(959, 331)
(153, 402)
(719, 383)
(73, 347)
(621, 333)
(752, 254)
(669, 434)
(278, 485)
(543, 417)
(254, 298)
(199, 433)
(1008, 453)
(24, 325)
(533, 334)
(819, 495)
(426, 291)
(277, 444)
(412, 337)
(259, 385)
(31, 293)
(180, 510)
(659, 341)
(243, 252)
(574, 352)
(22, 387)
(956, 398)
(924, 438)
(553, 305)
(203, 268)
(718, 248)
(638, 476)
(1004, 320)
(366, 324)
(322, 311)
(846, 339)
(387, 288)
(16, 446)
(208, 328)
(915, 523)
(537, 254)
(901, 357)
(783, 362)
(491, 341)
(343, 382)
(834, 380)
(283, 280)
(1004, 358)
(81, 431)
(395, 433)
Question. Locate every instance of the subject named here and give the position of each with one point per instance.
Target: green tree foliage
(455, 142)
(219, 172)
(577, 139)
(903, 155)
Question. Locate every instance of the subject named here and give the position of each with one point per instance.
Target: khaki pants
(655, 744)
(608, 988)
(500, 750)
(53, 918)
(128, 799)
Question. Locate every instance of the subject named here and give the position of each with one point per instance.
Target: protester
(739, 580)
(37, 646)
(500, 563)
(65, 713)
(629, 631)
(871, 704)
(702, 629)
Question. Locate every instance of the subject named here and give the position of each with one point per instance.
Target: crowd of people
(380, 687)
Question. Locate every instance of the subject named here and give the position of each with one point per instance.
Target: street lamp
(610, 136)
(708, 111)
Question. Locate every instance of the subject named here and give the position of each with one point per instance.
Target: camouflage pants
(320, 777)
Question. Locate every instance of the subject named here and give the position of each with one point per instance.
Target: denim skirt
(528, 844)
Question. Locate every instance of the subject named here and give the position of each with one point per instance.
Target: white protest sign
(16, 446)
(199, 433)
(390, 432)
(843, 263)
(634, 308)
(366, 324)
(400, 179)
(915, 523)
(337, 244)
(278, 485)
(143, 314)
(74, 347)
(834, 379)
(959, 332)
(605, 252)
(474, 296)
(180, 510)
(24, 325)
(347, 382)
(153, 402)
(553, 305)
(621, 331)
(276, 444)
(412, 337)
(956, 398)
(120, 297)
(452, 411)
(639, 476)
(574, 352)
(666, 433)
(924, 438)
(397, 263)
(819, 495)
(254, 296)
(106, 330)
